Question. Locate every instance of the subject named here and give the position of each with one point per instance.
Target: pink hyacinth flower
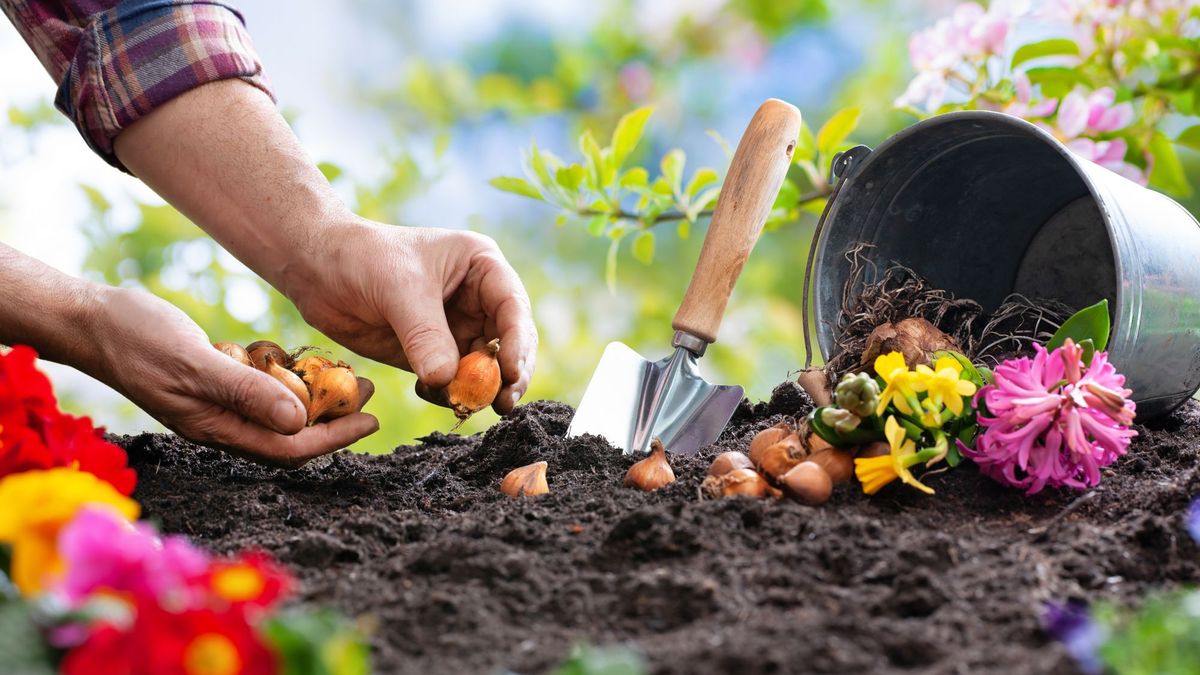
(104, 552)
(1052, 421)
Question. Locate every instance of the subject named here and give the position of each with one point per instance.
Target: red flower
(74, 441)
(251, 580)
(35, 435)
(22, 384)
(195, 642)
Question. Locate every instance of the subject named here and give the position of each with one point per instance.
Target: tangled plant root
(871, 298)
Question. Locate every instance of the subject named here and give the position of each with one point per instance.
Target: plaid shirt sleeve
(117, 60)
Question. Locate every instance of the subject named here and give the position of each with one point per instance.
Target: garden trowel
(630, 400)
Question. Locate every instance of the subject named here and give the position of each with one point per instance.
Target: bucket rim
(992, 117)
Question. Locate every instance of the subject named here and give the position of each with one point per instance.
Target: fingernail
(283, 415)
(516, 397)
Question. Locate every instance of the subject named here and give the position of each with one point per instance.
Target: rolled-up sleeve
(115, 62)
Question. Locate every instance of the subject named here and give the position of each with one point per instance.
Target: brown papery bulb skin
(290, 380)
(652, 472)
(746, 483)
(779, 458)
(728, 461)
(334, 394)
(261, 350)
(477, 382)
(808, 483)
(875, 449)
(839, 464)
(235, 352)
(815, 443)
(528, 480)
(307, 367)
(815, 383)
(770, 436)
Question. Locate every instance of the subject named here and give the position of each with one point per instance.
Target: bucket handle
(840, 170)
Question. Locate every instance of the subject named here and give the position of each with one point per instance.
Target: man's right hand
(151, 352)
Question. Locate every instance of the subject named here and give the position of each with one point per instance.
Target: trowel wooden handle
(755, 176)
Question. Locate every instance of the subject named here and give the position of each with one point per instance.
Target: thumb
(251, 393)
(429, 347)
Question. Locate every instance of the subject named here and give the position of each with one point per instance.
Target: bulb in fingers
(289, 379)
(335, 394)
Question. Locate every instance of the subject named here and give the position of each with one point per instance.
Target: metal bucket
(985, 204)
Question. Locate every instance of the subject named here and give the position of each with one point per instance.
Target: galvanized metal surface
(673, 402)
(984, 204)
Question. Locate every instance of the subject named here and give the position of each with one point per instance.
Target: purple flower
(1193, 519)
(1071, 624)
(1052, 421)
(106, 553)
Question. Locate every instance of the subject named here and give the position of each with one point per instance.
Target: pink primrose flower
(106, 553)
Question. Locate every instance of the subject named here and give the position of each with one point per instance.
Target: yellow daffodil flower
(903, 384)
(944, 384)
(876, 472)
(35, 505)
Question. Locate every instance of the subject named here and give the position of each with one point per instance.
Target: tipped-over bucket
(985, 204)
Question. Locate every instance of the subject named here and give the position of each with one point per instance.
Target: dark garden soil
(461, 579)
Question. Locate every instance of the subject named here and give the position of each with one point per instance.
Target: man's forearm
(223, 155)
(44, 308)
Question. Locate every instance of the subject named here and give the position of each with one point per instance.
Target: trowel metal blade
(631, 400)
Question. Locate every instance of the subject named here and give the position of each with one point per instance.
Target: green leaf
(720, 140)
(627, 134)
(1190, 137)
(317, 643)
(597, 225)
(661, 186)
(969, 371)
(684, 229)
(643, 247)
(702, 201)
(22, 648)
(953, 456)
(636, 177)
(806, 145)
(96, 198)
(594, 158)
(1168, 174)
(331, 171)
(585, 660)
(703, 177)
(1056, 81)
(517, 186)
(541, 167)
(1037, 50)
(1090, 323)
(610, 264)
(570, 177)
(837, 129)
(672, 169)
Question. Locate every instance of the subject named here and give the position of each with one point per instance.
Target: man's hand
(419, 299)
(161, 360)
(414, 298)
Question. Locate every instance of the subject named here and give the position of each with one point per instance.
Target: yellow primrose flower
(945, 385)
(35, 505)
(876, 472)
(902, 383)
